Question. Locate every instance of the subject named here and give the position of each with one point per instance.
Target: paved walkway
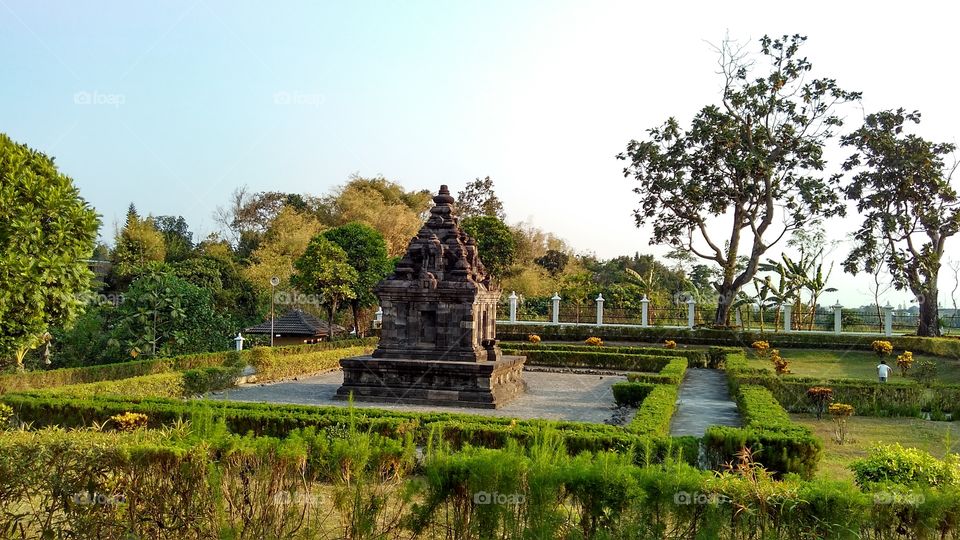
(703, 401)
(554, 396)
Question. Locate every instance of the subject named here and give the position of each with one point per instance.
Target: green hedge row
(276, 420)
(124, 370)
(596, 359)
(695, 357)
(781, 445)
(168, 385)
(631, 394)
(672, 373)
(655, 413)
(867, 398)
(270, 366)
(945, 347)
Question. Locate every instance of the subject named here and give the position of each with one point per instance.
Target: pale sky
(172, 105)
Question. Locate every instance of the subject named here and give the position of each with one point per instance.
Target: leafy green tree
(137, 244)
(495, 243)
(479, 199)
(909, 207)
(756, 159)
(324, 270)
(165, 315)
(553, 261)
(47, 231)
(177, 237)
(367, 254)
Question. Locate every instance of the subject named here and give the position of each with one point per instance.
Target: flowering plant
(670, 344)
(594, 340)
(533, 338)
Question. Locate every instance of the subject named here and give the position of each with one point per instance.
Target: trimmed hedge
(944, 347)
(594, 359)
(672, 373)
(271, 367)
(202, 380)
(124, 370)
(778, 443)
(695, 357)
(631, 394)
(655, 413)
(168, 385)
(279, 420)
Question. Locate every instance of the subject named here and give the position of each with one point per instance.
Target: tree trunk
(330, 323)
(355, 306)
(727, 292)
(929, 324)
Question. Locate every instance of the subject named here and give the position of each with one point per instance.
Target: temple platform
(485, 385)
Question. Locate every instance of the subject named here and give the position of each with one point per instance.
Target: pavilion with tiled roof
(296, 327)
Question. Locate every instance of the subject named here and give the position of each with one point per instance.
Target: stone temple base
(485, 385)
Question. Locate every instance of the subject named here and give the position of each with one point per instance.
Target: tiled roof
(295, 323)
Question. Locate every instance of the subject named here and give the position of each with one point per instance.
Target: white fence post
(787, 317)
(691, 312)
(837, 318)
(645, 312)
(513, 306)
(556, 308)
(888, 320)
(600, 309)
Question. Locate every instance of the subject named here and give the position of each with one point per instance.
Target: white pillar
(556, 308)
(645, 312)
(600, 309)
(787, 316)
(513, 306)
(691, 312)
(238, 341)
(888, 320)
(837, 318)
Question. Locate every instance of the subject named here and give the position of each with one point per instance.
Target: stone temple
(438, 341)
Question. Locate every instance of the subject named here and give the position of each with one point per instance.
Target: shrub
(925, 372)
(533, 338)
(761, 348)
(655, 412)
(593, 340)
(272, 367)
(882, 347)
(820, 397)
(168, 385)
(672, 373)
(6, 416)
(130, 421)
(904, 362)
(602, 359)
(907, 466)
(840, 412)
(631, 393)
(695, 357)
(780, 365)
(202, 380)
(670, 344)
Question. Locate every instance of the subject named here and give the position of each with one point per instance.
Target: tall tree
(495, 243)
(553, 261)
(904, 193)
(479, 199)
(367, 254)
(47, 231)
(384, 205)
(176, 235)
(283, 243)
(324, 271)
(756, 159)
(137, 244)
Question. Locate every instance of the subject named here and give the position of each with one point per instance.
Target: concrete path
(554, 396)
(703, 401)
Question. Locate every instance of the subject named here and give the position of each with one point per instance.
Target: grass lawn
(830, 364)
(864, 432)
